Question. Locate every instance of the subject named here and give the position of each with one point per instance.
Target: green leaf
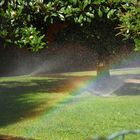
(110, 13)
(61, 17)
(45, 18)
(88, 19)
(89, 14)
(74, 2)
(85, 3)
(80, 18)
(100, 13)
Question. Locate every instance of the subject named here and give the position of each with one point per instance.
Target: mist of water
(107, 86)
(71, 59)
(102, 87)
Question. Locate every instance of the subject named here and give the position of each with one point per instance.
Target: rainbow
(80, 91)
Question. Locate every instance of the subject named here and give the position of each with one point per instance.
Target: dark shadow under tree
(99, 35)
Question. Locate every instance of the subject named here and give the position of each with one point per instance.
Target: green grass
(47, 108)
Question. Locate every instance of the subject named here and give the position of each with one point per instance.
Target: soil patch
(5, 137)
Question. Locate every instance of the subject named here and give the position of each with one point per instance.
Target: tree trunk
(103, 69)
(102, 82)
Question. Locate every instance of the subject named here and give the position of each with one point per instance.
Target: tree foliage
(25, 22)
(130, 23)
(17, 27)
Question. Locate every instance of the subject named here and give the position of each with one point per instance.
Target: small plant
(29, 36)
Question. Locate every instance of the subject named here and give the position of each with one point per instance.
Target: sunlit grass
(125, 71)
(83, 73)
(78, 120)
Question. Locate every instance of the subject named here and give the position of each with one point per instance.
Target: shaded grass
(24, 96)
(45, 108)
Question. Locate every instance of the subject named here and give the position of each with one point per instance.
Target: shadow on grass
(129, 89)
(17, 98)
(131, 86)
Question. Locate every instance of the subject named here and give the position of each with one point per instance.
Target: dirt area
(5, 137)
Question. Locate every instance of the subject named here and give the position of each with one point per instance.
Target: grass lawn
(48, 108)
